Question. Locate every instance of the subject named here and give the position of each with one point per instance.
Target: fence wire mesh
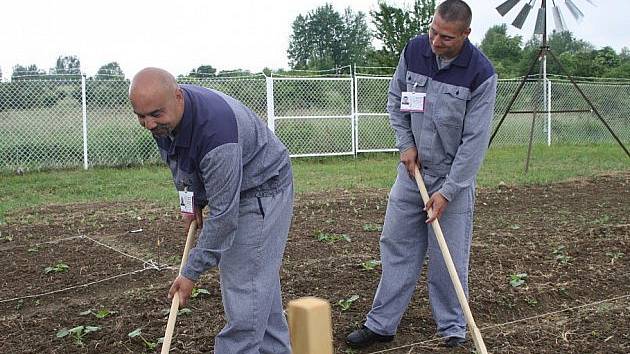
(40, 123)
(314, 116)
(372, 122)
(41, 120)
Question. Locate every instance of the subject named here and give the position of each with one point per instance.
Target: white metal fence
(54, 122)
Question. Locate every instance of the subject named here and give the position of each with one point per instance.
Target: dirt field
(571, 239)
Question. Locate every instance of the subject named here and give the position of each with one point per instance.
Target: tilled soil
(571, 239)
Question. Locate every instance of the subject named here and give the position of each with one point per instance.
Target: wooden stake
(310, 326)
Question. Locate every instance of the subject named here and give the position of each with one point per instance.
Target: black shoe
(363, 337)
(454, 342)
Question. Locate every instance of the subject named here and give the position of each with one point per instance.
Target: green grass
(153, 182)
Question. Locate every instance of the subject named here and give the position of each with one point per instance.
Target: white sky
(247, 34)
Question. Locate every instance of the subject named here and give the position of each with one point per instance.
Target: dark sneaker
(454, 342)
(364, 337)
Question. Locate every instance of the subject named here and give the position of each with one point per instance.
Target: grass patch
(153, 182)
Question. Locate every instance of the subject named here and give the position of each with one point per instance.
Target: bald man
(224, 154)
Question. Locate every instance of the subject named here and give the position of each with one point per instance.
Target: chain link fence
(62, 122)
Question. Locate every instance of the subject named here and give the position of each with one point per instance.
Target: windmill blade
(540, 21)
(522, 16)
(558, 19)
(507, 6)
(575, 11)
(591, 2)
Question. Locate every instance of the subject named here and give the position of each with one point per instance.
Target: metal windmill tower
(544, 51)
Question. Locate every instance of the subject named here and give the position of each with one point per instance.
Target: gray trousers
(404, 243)
(250, 279)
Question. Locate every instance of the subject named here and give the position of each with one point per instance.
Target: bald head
(152, 80)
(157, 100)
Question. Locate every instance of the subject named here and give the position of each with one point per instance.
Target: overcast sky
(227, 34)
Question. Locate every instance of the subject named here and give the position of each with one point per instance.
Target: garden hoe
(172, 316)
(476, 335)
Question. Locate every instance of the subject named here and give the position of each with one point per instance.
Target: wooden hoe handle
(459, 290)
(172, 316)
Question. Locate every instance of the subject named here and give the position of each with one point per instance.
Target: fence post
(84, 111)
(353, 111)
(270, 106)
(548, 99)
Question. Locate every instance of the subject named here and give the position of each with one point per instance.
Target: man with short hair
(219, 150)
(442, 127)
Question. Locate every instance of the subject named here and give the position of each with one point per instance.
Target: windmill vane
(541, 19)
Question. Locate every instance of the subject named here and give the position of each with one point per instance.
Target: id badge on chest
(186, 199)
(412, 101)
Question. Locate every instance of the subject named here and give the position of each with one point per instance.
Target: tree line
(324, 38)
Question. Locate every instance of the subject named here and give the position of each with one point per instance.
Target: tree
(325, 39)
(565, 41)
(234, 73)
(623, 69)
(504, 51)
(565, 46)
(203, 71)
(356, 37)
(28, 72)
(67, 65)
(109, 71)
(396, 26)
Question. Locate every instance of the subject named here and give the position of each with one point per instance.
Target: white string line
(77, 286)
(42, 243)
(150, 261)
(511, 322)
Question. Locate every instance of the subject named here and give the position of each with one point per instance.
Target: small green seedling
(60, 267)
(78, 333)
(531, 300)
(370, 265)
(196, 292)
(331, 237)
(345, 304)
(561, 255)
(614, 256)
(601, 220)
(372, 227)
(100, 314)
(185, 311)
(517, 280)
(604, 307)
(148, 344)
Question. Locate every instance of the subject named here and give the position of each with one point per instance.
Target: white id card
(186, 202)
(412, 101)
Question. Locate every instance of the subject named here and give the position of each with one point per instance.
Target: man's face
(447, 38)
(158, 110)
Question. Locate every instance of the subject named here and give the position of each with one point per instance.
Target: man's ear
(467, 32)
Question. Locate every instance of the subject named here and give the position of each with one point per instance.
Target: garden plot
(550, 272)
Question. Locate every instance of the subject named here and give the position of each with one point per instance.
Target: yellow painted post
(310, 326)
